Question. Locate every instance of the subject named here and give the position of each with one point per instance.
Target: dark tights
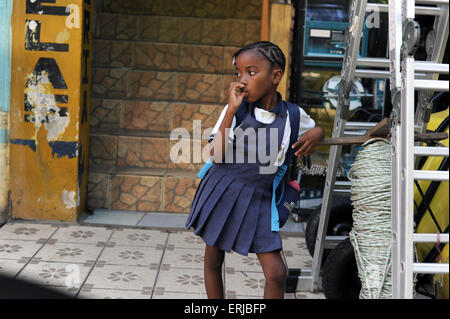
(213, 272)
(272, 265)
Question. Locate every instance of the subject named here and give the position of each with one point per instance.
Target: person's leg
(275, 274)
(213, 272)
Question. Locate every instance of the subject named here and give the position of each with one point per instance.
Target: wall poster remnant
(50, 86)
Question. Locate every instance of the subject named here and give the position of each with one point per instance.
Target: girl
(232, 206)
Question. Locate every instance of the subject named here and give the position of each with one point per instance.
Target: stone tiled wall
(158, 65)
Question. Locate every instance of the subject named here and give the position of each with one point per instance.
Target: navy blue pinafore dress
(231, 209)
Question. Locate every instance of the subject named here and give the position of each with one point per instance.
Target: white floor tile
(295, 245)
(183, 258)
(181, 280)
(10, 267)
(242, 263)
(121, 277)
(82, 235)
(69, 253)
(139, 237)
(299, 261)
(66, 275)
(17, 249)
(186, 240)
(244, 283)
(26, 231)
(131, 256)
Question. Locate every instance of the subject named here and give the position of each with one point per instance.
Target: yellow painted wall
(49, 134)
(281, 22)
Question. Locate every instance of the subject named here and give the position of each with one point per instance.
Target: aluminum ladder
(309, 280)
(404, 123)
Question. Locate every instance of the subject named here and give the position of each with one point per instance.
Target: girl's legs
(275, 273)
(213, 272)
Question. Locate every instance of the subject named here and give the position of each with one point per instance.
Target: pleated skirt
(231, 210)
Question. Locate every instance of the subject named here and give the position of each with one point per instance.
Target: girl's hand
(310, 140)
(236, 94)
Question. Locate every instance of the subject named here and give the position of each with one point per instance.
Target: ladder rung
(429, 11)
(382, 74)
(373, 62)
(430, 268)
(372, 74)
(434, 85)
(431, 175)
(333, 241)
(431, 67)
(432, 1)
(430, 238)
(356, 126)
(342, 192)
(420, 10)
(342, 185)
(430, 151)
(342, 188)
(377, 6)
(419, 66)
(353, 133)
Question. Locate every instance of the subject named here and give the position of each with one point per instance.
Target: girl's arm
(310, 139)
(218, 144)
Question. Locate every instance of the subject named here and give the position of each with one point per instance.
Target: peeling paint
(63, 36)
(4, 127)
(69, 199)
(38, 92)
(61, 148)
(32, 25)
(30, 143)
(31, 38)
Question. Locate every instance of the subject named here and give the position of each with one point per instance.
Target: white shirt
(266, 117)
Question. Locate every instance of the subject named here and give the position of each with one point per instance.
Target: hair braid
(269, 50)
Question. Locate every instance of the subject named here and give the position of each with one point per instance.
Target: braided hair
(269, 50)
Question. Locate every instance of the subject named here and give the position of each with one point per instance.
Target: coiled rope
(370, 177)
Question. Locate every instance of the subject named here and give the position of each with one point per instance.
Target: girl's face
(258, 76)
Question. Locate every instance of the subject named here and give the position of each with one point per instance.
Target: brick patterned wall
(158, 65)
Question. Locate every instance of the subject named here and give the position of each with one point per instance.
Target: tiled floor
(124, 262)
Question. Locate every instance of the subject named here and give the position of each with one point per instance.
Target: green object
(370, 177)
